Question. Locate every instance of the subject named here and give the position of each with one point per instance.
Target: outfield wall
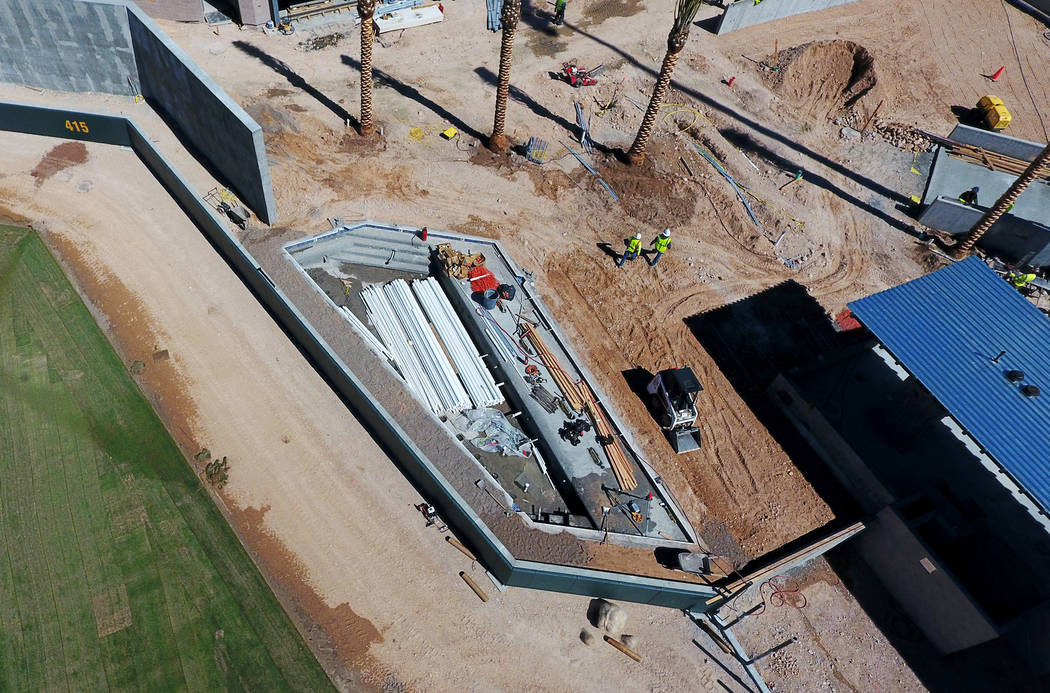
(38, 120)
(111, 46)
(747, 13)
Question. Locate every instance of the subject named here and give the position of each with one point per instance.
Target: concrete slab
(579, 481)
(749, 12)
(950, 177)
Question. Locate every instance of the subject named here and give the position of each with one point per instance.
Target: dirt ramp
(827, 78)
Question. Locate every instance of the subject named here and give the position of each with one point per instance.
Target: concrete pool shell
(583, 487)
(517, 551)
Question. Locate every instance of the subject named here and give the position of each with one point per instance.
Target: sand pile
(827, 78)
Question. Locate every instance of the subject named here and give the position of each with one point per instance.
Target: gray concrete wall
(746, 13)
(950, 177)
(67, 46)
(941, 609)
(210, 122)
(1013, 240)
(847, 467)
(254, 12)
(996, 142)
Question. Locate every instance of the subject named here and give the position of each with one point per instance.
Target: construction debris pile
(903, 136)
(457, 264)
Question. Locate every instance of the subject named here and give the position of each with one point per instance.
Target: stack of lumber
(579, 397)
(982, 157)
(558, 374)
(621, 466)
(993, 160)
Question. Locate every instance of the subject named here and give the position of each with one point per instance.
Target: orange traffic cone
(998, 73)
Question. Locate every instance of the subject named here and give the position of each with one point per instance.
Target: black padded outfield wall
(37, 120)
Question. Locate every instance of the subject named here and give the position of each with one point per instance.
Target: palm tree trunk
(509, 18)
(366, 9)
(637, 152)
(1008, 198)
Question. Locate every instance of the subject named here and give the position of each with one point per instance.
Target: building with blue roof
(935, 417)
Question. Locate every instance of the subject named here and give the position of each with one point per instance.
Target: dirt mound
(832, 78)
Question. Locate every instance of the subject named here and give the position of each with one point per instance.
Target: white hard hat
(638, 236)
(667, 232)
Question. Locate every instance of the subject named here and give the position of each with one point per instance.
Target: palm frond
(684, 14)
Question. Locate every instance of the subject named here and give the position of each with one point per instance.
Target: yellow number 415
(77, 126)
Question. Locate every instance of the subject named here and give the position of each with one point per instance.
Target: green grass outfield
(117, 572)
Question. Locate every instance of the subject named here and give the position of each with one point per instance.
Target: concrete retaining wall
(67, 46)
(942, 610)
(997, 142)
(203, 114)
(111, 46)
(1014, 240)
(410, 460)
(746, 13)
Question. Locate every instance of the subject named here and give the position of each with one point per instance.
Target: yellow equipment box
(994, 114)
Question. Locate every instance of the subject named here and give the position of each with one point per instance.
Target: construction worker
(1020, 279)
(660, 244)
(970, 196)
(634, 246)
(559, 12)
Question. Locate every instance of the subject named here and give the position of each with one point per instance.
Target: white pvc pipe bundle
(417, 353)
(366, 334)
(382, 317)
(472, 371)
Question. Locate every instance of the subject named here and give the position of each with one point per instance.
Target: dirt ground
(839, 232)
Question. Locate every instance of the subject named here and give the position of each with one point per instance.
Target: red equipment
(578, 77)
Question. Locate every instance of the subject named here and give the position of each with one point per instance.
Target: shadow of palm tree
(296, 80)
(410, 92)
(892, 196)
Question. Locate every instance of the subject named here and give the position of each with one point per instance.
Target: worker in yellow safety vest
(660, 244)
(634, 246)
(1020, 279)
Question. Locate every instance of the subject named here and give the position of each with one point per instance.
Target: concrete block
(746, 13)
(996, 142)
(254, 12)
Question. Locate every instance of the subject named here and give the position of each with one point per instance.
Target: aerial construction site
(527, 346)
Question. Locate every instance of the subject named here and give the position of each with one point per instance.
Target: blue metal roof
(946, 328)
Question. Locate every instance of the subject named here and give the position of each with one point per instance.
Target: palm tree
(684, 13)
(509, 18)
(1035, 169)
(365, 9)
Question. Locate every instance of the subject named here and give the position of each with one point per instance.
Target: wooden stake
(623, 648)
(463, 549)
(870, 118)
(474, 586)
